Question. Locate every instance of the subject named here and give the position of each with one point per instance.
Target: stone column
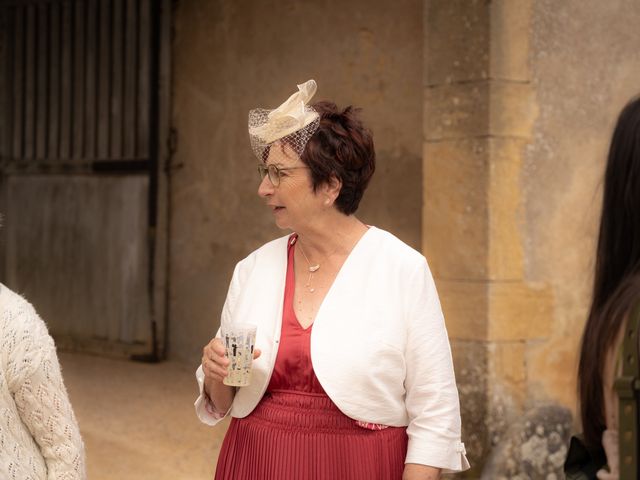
(478, 117)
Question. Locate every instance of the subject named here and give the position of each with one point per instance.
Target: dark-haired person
(616, 289)
(355, 378)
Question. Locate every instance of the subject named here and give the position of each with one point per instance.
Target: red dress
(297, 432)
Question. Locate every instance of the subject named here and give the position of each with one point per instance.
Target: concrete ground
(138, 421)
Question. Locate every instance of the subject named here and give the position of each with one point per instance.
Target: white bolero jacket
(379, 344)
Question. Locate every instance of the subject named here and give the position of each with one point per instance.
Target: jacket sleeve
(432, 396)
(205, 410)
(42, 400)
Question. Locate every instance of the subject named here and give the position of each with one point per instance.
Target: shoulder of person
(387, 245)
(24, 336)
(18, 316)
(15, 306)
(273, 251)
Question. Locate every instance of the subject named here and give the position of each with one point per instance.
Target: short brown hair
(342, 147)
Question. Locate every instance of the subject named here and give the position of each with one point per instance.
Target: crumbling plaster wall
(231, 56)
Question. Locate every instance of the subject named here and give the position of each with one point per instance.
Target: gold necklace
(312, 269)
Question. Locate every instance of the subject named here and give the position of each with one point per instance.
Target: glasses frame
(273, 171)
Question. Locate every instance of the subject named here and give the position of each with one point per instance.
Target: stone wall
(230, 57)
(520, 99)
(585, 66)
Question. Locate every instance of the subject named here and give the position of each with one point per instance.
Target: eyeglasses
(275, 173)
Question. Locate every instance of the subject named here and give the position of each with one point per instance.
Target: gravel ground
(137, 420)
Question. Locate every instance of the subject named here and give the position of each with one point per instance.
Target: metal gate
(79, 175)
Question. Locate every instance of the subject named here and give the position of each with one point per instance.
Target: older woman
(354, 379)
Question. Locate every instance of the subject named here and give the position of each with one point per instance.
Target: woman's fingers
(214, 361)
(218, 347)
(215, 352)
(213, 369)
(216, 373)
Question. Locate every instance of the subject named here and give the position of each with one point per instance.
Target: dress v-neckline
(331, 287)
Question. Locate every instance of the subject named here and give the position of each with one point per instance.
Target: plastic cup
(239, 340)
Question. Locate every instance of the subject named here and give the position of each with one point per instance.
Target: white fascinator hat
(292, 123)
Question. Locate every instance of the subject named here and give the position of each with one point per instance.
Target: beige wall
(520, 97)
(585, 65)
(230, 56)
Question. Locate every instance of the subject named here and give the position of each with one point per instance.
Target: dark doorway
(80, 182)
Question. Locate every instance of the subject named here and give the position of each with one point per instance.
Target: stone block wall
(519, 100)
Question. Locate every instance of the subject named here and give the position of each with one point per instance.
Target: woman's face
(293, 202)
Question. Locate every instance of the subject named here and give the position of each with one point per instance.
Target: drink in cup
(239, 340)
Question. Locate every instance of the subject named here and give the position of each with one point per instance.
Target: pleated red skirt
(300, 436)
(296, 432)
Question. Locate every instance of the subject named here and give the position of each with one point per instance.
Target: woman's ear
(331, 190)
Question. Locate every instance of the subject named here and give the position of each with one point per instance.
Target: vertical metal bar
(155, 49)
(104, 79)
(118, 80)
(66, 97)
(91, 67)
(79, 99)
(18, 83)
(144, 76)
(130, 70)
(30, 84)
(53, 147)
(10, 47)
(134, 107)
(42, 123)
(159, 206)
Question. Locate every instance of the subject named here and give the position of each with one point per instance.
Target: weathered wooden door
(79, 170)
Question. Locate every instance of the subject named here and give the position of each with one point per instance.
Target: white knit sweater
(39, 435)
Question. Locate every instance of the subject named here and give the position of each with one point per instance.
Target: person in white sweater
(39, 434)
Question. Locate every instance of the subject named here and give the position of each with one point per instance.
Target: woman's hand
(215, 366)
(215, 363)
(414, 471)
